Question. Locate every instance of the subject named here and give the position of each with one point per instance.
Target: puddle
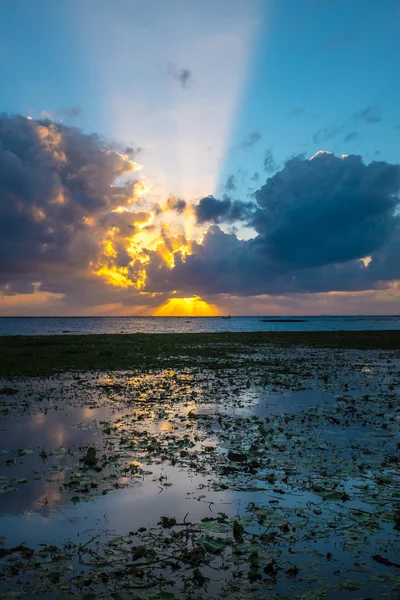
(52, 429)
(290, 403)
(140, 505)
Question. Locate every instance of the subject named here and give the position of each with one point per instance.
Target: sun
(186, 307)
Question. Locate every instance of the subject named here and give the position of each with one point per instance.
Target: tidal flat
(236, 466)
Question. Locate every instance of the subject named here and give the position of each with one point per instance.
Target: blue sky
(214, 97)
(316, 66)
(304, 67)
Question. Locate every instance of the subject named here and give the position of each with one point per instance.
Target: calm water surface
(87, 325)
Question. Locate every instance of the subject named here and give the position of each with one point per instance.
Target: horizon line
(297, 316)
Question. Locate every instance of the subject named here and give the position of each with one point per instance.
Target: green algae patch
(43, 355)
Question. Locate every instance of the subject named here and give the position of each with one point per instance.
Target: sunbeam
(186, 307)
(186, 134)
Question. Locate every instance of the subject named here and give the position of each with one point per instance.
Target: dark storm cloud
(181, 75)
(315, 220)
(55, 182)
(327, 209)
(211, 210)
(251, 138)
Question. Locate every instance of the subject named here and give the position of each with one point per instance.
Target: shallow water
(64, 431)
(166, 439)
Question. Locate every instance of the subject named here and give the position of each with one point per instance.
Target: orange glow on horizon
(186, 307)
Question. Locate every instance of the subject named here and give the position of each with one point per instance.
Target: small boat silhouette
(228, 317)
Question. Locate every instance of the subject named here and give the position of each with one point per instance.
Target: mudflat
(200, 466)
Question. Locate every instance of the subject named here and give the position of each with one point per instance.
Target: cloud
(176, 204)
(126, 221)
(327, 209)
(64, 113)
(370, 115)
(132, 152)
(251, 138)
(351, 136)
(326, 133)
(315, 220)
(73, 219)
(57, 186)
(269, 162)
(181, 75)
(230, 183)
(209, 209)
(297, 113)
(74, 111)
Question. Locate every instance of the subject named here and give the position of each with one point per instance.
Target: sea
(97, 325)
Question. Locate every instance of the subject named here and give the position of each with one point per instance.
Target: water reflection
(150, 422)
(261, 403)
(51, 429)
(42, 448)
(122, 511)
(35, 454)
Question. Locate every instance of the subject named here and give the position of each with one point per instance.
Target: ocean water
(87, 325)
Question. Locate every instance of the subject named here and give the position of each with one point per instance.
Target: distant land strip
(277, 320)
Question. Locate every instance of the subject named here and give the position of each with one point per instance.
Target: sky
(199, 157)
